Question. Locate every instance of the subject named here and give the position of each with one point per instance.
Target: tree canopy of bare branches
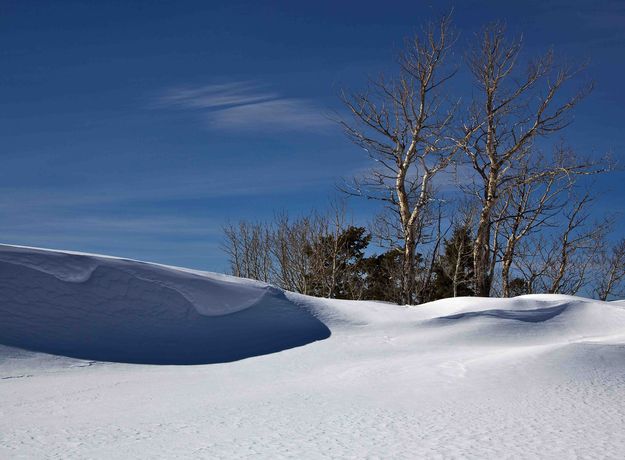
(512, 111)
(401, 123)
(518, 212)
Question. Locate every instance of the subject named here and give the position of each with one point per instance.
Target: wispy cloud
(246, 106)
(215, 96)
(294, 114)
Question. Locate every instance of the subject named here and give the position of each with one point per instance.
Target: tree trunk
(459, 254)
(481, 248)
(408, 272)
(506, 263)
(481, 253)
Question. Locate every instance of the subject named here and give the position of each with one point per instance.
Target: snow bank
(110, 309)
(538, 319)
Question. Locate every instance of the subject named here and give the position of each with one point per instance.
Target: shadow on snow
(114, 316)
(538, 315)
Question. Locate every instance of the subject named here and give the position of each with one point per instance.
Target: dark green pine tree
(453, 271)
(352, 244)
(335, 263)
(382, 276)
(518, 286)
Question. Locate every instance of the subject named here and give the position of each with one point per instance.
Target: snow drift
(536, 319)
(537, 376)
(110, 309)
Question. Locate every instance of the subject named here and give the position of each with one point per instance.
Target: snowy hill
(534, 376)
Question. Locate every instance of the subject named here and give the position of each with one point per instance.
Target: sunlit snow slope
(540, 376)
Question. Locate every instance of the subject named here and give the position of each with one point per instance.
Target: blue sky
(137, 128)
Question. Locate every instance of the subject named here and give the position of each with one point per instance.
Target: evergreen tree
(518, 286)
(381, 274)
(454, 268)
(335, 263)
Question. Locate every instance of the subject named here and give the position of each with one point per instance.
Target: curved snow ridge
(211, 294)
(537, 315)
(544, 318)
(108, 309)
(64, 266)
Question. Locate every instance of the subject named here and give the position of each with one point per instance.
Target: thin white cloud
(279, 114)
(246, 106)
(215, 96)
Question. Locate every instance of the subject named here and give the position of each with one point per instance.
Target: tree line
(478, 197)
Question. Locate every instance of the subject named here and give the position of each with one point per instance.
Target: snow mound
(109, 309)
(525, 320)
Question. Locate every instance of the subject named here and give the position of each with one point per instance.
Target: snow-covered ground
(96, 353)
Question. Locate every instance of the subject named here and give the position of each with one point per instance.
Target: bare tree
(503, 125)
(529, 263)
(429, 257)
(533, 201)
(315, 254)
(291, 244)
(575, 249)
(248, 245)
(562, 260)
(401, 123)
(611, 272)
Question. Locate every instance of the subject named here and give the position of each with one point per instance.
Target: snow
(109, 309)
(539, 376)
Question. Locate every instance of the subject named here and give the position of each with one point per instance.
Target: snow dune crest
(223, 295)
(538, 319)
(110, 309)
